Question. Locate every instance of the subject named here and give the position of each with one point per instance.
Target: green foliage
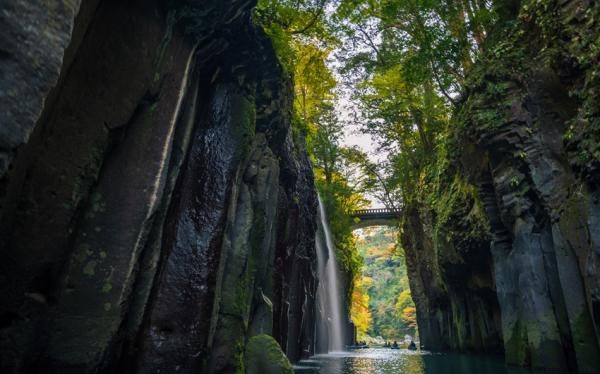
(583, 43)
(291, 24)
(303, 40)
(385, 281)
(405, 307)
(360, 307)
(544, 35)
(406, 61)
(413, 60)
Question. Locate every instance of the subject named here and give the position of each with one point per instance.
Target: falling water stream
(330, 285)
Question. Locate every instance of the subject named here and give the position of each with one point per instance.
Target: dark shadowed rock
(33, 36)
(146, 221)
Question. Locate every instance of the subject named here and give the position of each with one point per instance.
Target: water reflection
(388, 361)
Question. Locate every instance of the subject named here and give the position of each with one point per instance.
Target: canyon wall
(157, 212)
(450, 273)
(531, 116)
(526, 139)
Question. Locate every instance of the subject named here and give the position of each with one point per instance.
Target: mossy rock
(264, 356)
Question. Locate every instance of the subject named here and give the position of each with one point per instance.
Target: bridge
(376, 217)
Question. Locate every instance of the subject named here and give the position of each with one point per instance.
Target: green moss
(516, 348)
(81, 254)
(549, 35)
(243, 119)
(264, 355)
(98, 204)
(106, 287)
(241, 299)
(586, 344)
(90, 268)
(460, 220)
(239, 358)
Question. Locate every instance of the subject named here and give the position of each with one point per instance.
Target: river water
(403, 361)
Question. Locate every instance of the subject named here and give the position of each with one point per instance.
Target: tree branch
(371, 44)
(312, 22)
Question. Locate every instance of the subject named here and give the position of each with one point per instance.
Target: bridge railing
(361, 212)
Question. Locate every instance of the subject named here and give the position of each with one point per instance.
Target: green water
(388, 361)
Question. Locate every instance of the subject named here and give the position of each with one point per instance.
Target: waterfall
(329, 285)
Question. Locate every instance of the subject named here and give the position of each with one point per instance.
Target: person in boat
(395, 345)
(412, 346)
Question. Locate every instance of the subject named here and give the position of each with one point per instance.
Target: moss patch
(516, 347)
(588, 357)
(264, 356)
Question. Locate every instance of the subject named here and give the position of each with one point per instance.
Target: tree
(405, 62)
(405, 308)
(361, 314)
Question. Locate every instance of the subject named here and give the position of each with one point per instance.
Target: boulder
(264, 356)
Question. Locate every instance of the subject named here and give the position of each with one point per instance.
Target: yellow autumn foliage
(409, 316)
(361, 315)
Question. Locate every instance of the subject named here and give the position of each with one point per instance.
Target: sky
(353, 137)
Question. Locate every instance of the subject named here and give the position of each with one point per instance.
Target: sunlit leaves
(361, 314)
(405, 63)
(313, 82)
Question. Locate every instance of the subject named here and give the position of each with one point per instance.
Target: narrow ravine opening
(382, 308)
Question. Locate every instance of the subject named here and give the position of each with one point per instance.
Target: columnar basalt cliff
(526, 137)
(450, 273)
(535, 131)
(157, 211)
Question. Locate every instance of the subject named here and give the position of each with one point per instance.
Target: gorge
(174, 198)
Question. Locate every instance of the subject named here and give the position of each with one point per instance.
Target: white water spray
(330, 283)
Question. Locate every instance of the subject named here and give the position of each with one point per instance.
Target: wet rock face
(161, 212)
(451, 279)
(45, 28)
(532, 131)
